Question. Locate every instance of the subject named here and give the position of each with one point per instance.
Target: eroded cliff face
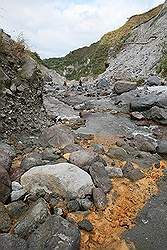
(141, 52)
(22, 81)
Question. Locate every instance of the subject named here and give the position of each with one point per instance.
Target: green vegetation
(162, 68)
(35, 56)
(91, 61)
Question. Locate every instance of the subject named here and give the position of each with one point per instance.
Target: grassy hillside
(92, 61)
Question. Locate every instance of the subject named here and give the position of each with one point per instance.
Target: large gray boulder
(83, 158)
(29, 221)
(55, 233)
(100, 176)
(124, 86)
(157, 114)
(57, 136)
(56, 108)
(153, 81)
(65, 179)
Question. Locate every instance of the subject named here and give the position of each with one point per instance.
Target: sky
(53, 28)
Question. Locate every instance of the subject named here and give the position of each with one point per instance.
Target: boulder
(5, 160)
(56, 108)
(143, 143)
(55, 233)
(157, 114)
(57, 136)
(117, 153)
(153, 81)
(83, 158)
(72, 148)
(8, 149)
(31, 160)
(134, 174)
(17, 195)
(99, 198)
(100, 176)
(16, 209)
(114, 172)
(5, 185)
(124, 86)
(65, 179)
(5, 221)
(12, 242)
(143, 103)
(35, 216)
(162, 147)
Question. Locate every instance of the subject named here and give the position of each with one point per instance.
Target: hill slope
(92, 61)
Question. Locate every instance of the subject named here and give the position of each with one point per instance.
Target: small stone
(58, 211)
(16, 186)
(85, 204)
(73, 206)
(137, 115)
(99, 198)
(85, 225)
(18, 195)
(117, 153)
(114, 172)
(98, 148)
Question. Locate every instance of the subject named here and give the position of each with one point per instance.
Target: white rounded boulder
(65, 179)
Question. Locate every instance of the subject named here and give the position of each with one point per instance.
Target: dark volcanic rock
(56, 232)
(73, 206)
(157, 114)
(35, 216)
(5, 185)
(132, 173)
(12, 242)
(99, 198)
(5, 221)
(57, 136)
(124, 86)
(151, 223)
(85, 225)
(72, 148)
(153, 81)
(8, 149)
(162, 147)
(16, 209)
(100, 176)
(5, 160)
(118, 153)
(31, 160)
(143, 103)
(144, 144)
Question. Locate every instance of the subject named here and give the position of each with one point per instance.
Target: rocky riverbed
(95, 177)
